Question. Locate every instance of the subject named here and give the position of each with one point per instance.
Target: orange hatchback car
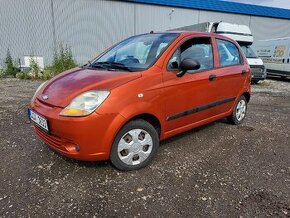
(142, 90)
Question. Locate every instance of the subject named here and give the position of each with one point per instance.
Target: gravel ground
(212, 171)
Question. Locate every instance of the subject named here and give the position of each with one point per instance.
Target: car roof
(196, 33)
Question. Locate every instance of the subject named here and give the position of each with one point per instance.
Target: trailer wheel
(283, 77)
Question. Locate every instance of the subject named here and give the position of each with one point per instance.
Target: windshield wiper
(97, 65)
(114, 65)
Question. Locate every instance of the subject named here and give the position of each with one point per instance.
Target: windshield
(248, 51)
(135, 53)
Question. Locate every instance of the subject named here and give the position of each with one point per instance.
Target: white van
(276, 55)
(258, 68)
(243, 35)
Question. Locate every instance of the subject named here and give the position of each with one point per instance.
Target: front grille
(49, 139)
(257, 70)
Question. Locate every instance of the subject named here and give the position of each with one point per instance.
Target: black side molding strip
(200, 108)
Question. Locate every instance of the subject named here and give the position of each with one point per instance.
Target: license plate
(38, 120)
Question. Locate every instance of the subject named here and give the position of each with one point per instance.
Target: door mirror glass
(198, 49)
(186, 65)
(174, 65)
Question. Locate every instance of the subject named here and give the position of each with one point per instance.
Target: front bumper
(258, 72)
(83, 138)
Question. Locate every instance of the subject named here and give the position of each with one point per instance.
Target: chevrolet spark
(142, 90)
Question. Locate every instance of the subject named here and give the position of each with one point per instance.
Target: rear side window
(198, 49)
(229, 53)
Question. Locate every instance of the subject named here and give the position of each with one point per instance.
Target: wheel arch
(150, 118)
(247, 96)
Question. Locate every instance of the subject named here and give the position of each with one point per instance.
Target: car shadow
(81, 163)
(107, 164)
(278, 78)
(191, 131)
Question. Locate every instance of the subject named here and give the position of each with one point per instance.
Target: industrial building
(33, 27)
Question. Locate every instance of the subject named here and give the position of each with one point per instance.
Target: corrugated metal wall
(158, 18)
(25, 28)
(207, 16)
(269, 28)
(34, 27)
(91, 26)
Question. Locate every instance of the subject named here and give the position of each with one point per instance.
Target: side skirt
(200, 108)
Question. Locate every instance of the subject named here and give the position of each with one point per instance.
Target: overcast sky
(272, 3)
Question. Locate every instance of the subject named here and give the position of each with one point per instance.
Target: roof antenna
(151, 32)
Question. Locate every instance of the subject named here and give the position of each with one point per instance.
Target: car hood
(255, 61)
(60, 90)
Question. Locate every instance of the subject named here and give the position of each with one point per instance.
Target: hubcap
(135, 146)
(241, 110)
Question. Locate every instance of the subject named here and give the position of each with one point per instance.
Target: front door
(192, 97)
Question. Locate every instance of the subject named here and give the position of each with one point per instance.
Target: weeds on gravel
(62, 60)
(2, 74)
(34, 71)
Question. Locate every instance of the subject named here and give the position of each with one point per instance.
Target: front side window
(228, 52)
(135, 53)
(198, 49)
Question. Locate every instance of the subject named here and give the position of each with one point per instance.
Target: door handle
(244, 72)
(212, 77)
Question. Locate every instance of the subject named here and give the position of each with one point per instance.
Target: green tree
(35, 71)
(63, 60)
(9, 66)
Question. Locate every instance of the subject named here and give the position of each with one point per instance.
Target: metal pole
(53, 27)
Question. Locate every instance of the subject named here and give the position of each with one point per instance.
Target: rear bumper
(82, 138)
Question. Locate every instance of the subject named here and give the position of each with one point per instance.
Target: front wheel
(240, 110)
(134, 146)
(283, 77)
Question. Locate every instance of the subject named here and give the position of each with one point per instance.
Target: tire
(130, 150)
(239, 112)
(255, 81)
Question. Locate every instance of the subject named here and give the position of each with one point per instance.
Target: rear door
(232, 73)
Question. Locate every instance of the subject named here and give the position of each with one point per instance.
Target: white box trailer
(37, 59)
(276, 55)
(240, 33)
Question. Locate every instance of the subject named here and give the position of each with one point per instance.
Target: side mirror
(186, 65)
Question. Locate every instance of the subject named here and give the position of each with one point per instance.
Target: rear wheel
(134, 146)
(255, 81)
(239, 113)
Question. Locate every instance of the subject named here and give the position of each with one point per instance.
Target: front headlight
(39, 87)
(85, 104)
